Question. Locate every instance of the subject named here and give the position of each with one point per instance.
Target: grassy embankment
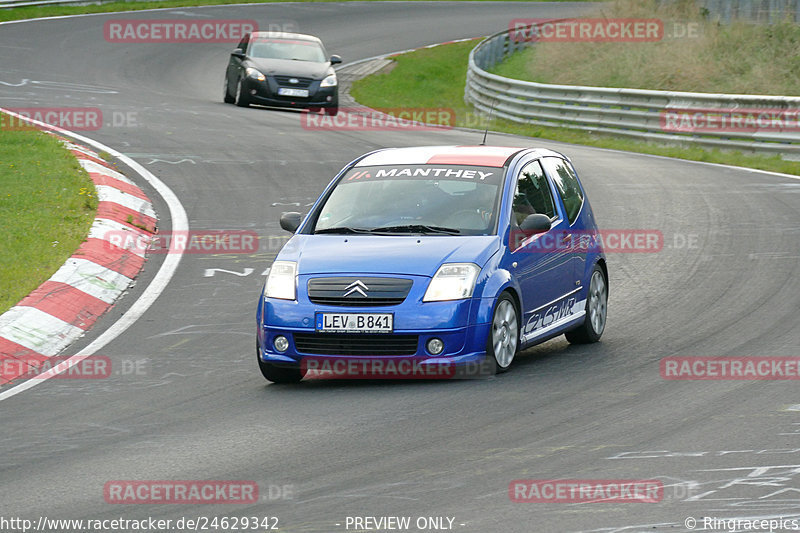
(47, 204)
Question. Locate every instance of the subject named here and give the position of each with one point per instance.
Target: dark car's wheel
(596, 310)
(227, 98)
(241, 94)
(332, 111)
(278, 374)
(503, 341)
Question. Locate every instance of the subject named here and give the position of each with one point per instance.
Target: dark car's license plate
(284, 91)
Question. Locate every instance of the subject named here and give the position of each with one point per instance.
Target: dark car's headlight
(255, 74)
(329, 81)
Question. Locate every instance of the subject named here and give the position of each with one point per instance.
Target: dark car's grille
(376, 344)
(358, 292)
(302, 83)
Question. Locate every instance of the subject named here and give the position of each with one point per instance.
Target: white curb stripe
(120, 235)
(38, 331)
(91, 166)
(106, 193)
(93, 279)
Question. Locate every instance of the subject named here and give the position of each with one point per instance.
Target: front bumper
(266, 93)
(461, 325)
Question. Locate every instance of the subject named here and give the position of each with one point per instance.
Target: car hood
(367, 254)
(287, 67)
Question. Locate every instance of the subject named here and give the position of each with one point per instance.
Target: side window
(567, 184)
(532, 194)
(243, 43)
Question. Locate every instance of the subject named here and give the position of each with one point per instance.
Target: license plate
(355, 322)
(285, 91)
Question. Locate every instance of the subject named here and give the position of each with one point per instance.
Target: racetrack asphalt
(198, 409)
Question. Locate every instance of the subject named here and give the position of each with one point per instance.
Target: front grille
(370, 292)
(376, 344)
(302, 83)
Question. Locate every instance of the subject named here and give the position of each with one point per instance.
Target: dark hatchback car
(282, 70)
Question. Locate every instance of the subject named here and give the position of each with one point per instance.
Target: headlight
(281, 280)
(255, 74)
(329, 81)
(453, 281)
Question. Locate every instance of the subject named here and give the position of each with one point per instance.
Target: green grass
(435, 77)
(739, 58)
(19, 13)
(708, 64)
(47, 204)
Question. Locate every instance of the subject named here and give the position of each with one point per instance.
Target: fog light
(435, 346)
(253, 91)
(329, 99)
(281, 343)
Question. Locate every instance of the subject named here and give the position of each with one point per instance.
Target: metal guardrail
(634, 113)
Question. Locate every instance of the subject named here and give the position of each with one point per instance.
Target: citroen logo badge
(356, 287)
(293, 80)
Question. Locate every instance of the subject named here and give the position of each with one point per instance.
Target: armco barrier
(634, 113)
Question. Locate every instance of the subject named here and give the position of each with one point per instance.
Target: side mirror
(291, 221)
(335, 60)
(238, 53)
(536, 223)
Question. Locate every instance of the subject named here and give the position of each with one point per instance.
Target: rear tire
(227, 98)
(278, 374)
(596, 311)
(241, 95)
(502, 344)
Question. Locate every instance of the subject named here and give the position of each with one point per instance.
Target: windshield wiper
(417, 228)
(342, 229)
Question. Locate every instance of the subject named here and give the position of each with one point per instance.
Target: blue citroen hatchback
(450, 255)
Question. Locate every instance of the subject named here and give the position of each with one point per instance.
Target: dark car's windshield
(297, 50)
(418, 199)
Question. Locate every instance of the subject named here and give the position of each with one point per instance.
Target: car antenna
(488, 121)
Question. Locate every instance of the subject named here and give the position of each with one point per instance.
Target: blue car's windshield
(423, 199)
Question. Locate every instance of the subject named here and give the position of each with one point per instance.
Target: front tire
(227, 98)
(332, 111)
(241, 95)
(278, 374)
(596, 311)
(503, 342)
